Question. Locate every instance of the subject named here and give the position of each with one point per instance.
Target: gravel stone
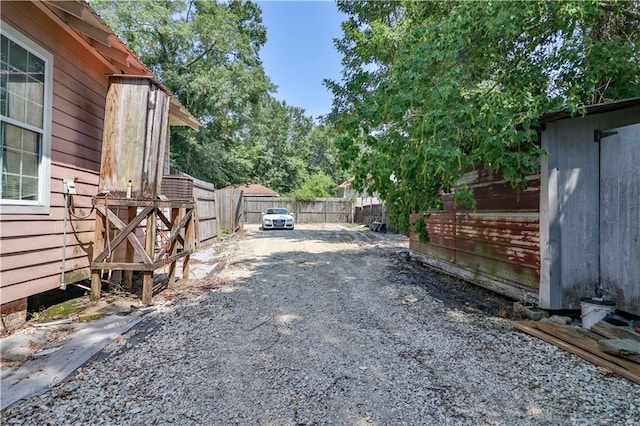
(330, 325)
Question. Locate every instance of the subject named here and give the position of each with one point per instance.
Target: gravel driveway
(330, 325)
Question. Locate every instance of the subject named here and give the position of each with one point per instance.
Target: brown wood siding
(498, 242)
(31, 244)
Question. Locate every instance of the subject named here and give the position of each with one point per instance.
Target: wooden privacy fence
(230, 209)
(372, 213)
(181, 186)
(205, 199)
(323, 210)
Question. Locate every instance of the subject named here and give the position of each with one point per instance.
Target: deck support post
(177, 241)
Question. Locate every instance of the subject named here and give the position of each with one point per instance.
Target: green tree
(279, 136)
(433, 89)
(323, 157)
(318, 185)
(207, 54)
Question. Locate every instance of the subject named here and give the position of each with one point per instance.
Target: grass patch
(357, 226)
(61, 310)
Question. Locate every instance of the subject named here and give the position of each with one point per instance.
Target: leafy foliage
(433, 89)
(207, 54)
(316, 186)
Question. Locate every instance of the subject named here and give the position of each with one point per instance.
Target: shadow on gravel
(453, 292)
(328, 236)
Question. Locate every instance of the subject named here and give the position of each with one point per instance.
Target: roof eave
(551, 116)
(85, 25)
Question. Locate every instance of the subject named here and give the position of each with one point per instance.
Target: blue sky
(299, 52)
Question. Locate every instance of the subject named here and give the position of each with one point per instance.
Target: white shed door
(620, 216)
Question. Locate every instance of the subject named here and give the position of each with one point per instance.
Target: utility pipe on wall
(63, 284)
(68, 188)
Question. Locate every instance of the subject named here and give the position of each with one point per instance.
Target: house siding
(31, 244)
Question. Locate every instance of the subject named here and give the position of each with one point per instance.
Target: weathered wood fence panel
(207, 223)
(323, 210)
(254, 206)
(367, 214)
(230, 209)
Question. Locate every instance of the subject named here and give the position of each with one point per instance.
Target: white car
(277, 218)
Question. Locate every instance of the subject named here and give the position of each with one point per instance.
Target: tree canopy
(207, 54)
(431, 90)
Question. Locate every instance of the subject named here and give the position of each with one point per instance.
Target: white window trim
(42, 205)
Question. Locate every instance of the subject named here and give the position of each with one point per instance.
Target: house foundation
(13, 314)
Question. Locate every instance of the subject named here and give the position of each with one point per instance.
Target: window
(25, 98)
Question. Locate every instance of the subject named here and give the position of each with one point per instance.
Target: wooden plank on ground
(575, 337)
(611, 331)
(626, 348)
(630, 371)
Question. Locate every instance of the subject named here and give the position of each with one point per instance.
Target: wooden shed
(56, 61)
(590, 206)
(576, 224)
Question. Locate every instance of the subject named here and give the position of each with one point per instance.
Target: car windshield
(277, 211)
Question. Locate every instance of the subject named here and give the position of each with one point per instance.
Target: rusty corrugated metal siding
(497, 242)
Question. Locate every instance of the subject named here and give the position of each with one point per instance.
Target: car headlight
(267, 221)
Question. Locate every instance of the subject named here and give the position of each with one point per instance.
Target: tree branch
(626, 12)
(202, 55)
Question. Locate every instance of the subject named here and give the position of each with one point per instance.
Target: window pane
(29, 189)
(10, 187)
(20, 163)
(35, 67)
(30, 165)
(34, 113)
(30, 141)
(33, 107)
(4, 51)
(12, 136)
(18, 57)
(16, 90)
(12, 161)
